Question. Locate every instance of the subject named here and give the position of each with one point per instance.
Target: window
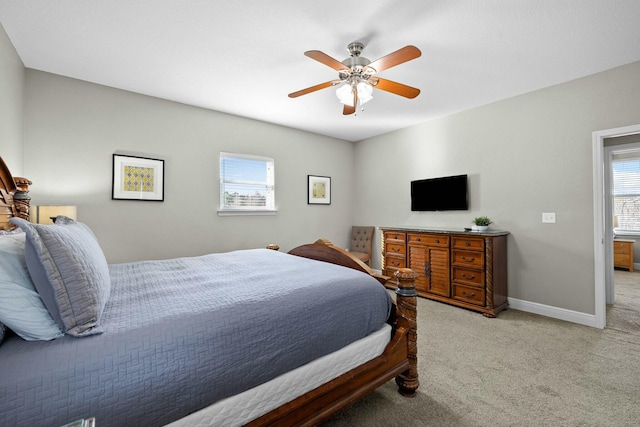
(246, 184)
(626, 192)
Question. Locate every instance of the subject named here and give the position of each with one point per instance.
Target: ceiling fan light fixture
(365, 92)
(345, 94)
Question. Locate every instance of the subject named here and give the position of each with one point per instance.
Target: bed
(251, 337)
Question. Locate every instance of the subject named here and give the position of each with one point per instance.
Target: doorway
(603, 232)
(624, 314)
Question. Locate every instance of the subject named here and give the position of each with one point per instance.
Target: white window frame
(629, 152)
(268, 183)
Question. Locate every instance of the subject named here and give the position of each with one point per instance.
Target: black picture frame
(318, 190)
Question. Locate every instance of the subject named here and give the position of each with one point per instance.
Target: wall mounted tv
(448, 193)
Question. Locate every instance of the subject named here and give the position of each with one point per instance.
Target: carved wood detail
(406, 300)
(14, 197)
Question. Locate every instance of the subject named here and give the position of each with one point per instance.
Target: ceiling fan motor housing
(357, 65)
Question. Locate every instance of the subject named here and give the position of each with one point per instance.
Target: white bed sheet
(251, 404)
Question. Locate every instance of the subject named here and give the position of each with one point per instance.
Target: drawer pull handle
(427, 270)
(473, 276)
(471, 295)
(437, 240)
(466, 243)
(418, 239)
(464, 258)
(395, 249)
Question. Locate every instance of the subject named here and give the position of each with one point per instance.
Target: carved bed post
(406, 301)
(21, 198)
(14, 197)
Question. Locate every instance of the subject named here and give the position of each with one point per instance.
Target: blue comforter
(181, 334)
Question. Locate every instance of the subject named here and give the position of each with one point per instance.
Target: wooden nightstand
(623, 253)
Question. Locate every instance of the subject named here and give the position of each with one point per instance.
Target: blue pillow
(21, 308)
(69, 271)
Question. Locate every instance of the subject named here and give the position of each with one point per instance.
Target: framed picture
(319, 191)
(137, 178)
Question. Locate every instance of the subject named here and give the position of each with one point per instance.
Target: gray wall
(524, 156)
(11, 109)
(74, 127)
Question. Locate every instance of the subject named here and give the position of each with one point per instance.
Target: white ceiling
(243, 57)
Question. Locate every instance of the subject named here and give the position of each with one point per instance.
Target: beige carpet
(517, 370)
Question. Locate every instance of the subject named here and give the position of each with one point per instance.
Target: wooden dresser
(467, 269)
(623, 253)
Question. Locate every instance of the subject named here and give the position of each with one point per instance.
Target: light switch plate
(549, 217)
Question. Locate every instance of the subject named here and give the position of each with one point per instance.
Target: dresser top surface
(447, 231)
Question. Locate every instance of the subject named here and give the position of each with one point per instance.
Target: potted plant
(481, 223)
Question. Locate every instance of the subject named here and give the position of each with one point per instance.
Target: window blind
(626, 193)
(246, 182)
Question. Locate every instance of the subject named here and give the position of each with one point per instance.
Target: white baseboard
(549, 311)
(554, 312)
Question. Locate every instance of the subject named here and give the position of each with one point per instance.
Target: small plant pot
(480, 227)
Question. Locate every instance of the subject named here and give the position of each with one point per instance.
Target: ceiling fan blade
(346, 110)
(326, 59)
(397, 88)
(404, 54)
(351, 109)
(312, 89)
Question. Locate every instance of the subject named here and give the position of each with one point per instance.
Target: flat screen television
(448, 193)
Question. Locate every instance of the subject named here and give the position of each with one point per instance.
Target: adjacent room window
(246, 184)
(626, 192)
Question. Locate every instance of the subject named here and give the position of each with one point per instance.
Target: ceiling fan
(357, 75)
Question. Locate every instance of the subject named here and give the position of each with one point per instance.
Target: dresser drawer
(396, 248)
(621, 248)
(468, 258)
(468, 243)
(468, 276)
(621, 260)
(395, 236)
(429, 239)
(468, 294)
(395, 262)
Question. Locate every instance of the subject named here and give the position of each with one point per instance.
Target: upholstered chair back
(362, 242)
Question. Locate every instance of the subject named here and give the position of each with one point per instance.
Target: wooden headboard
(14, 197)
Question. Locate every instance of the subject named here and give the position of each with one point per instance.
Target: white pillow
(21, 308)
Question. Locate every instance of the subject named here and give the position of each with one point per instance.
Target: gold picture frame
(319, 190)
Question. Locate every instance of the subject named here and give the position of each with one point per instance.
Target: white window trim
(631, 152)
(246, 212)
(222, 211)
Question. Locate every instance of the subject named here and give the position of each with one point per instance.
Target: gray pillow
(69, 271)
(21, 308)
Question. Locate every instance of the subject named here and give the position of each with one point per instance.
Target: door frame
(602, 236)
